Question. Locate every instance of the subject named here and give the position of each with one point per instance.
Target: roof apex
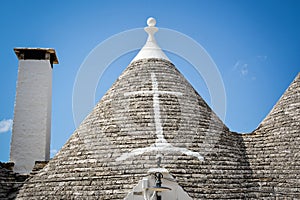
(151, 48)
(287, 107)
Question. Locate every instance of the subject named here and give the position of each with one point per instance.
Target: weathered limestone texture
(10, 182)
(96, 162)
(151, 120)
(151, 111)
(273, 149)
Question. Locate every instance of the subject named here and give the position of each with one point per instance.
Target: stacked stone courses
(10, 182)
(87, 167)
(273, 149)
(261, 165)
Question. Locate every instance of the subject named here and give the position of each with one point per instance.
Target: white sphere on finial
(151, 21)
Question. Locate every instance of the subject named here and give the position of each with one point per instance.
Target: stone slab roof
(273, 148)
(119, 141)
(152, 110)
(10, 182)
(152, 119)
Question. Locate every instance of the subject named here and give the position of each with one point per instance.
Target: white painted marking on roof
(161, 144)
(157, 117)
(151, 93)
(161, 148)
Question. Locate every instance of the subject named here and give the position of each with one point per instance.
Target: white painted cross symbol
(161, 144)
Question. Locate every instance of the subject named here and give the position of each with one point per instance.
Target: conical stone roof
(286, 111)
(97, 159)
(150, 118)
(273, 148)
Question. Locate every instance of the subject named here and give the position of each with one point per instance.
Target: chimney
(32, 115)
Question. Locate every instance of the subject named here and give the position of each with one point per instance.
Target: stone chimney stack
(32, 115)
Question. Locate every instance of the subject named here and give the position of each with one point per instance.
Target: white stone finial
(151, 21)
(151, 49)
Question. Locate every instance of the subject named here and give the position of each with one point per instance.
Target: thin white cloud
(241, 67)
(5, 125)
(236, 65)
(244, 69)
(262, 58)
(53, 152)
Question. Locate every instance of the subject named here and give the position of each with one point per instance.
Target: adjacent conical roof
(150, 112)
(273, 148)
(286, 111)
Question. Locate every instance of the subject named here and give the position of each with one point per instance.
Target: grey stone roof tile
(273, 148)
(96, 162)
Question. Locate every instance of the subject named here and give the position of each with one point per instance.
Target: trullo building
(152, 136)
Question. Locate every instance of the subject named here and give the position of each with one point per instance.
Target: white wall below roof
(32, 116)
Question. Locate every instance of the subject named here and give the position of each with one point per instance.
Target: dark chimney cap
(25, 53)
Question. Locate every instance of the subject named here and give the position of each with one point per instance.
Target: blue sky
(255, 45)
